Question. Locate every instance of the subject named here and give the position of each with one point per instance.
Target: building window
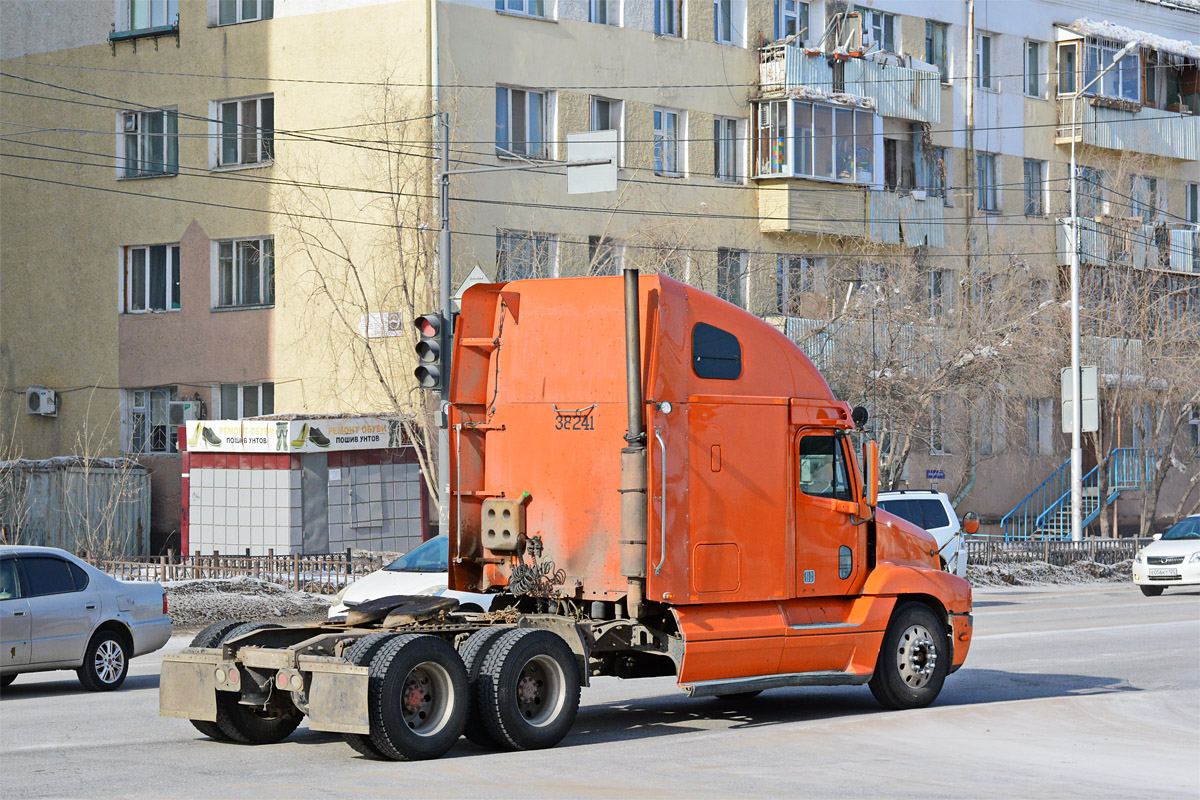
(878, 29)
(604, 12)
(1191, 193)
(833, 142)
(247, 131)
(1194, 427)
(1143, 202)
(149, 430)
(246, 273)
(668, 17)
(522, 254)
(520, 122)
(723, 21)
(731, 273)
(609, 115)
(939, 425)
(773, 138)
(1068, 65)
(1123, 81)
(1039, 426)
(791, 18)
(794, 276)
(931, 169)
(993, 428)
(147, 14)
(604, 256)
(1035, 188)
(983, 61)
(935, 47)
(667, 134)
(151, 278)
(1089, 191)
(725, 149)
(151, 143)
(532, 8)
(986, 195)
(1033, 69)
(941, 287)
(232, 11)
(241, 400)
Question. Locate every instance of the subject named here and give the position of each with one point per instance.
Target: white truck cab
(932, 511)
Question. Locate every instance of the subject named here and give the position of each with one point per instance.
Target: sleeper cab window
(715, 353)
(822, 468)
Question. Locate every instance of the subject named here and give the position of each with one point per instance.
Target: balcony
(1141, 130)
(880, 216)
(1107, 241)
(890, 90)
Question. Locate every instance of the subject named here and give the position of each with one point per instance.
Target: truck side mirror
(970, 522)
(871, 473)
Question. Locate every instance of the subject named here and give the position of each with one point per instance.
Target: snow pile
(1035, 573)
(1119, 33)
(195, 603)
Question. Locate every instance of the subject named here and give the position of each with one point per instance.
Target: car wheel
(105, 662)
(6, 680)
(212, 636)
(474, 650)
(913, 661)
(360, 654)
(529, 689)
(1151, 591)
(417, 698)
(249, 724)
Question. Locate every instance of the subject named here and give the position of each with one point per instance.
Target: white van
(932, 511)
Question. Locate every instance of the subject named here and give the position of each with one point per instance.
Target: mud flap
(186, 690)
(337, 695)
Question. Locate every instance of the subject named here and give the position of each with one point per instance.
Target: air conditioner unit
(42, 401)
(130, 122)
(181, 411)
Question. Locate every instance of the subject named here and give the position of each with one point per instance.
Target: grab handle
(662, 503)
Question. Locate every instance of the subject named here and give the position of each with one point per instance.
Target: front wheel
(913, 661)
(105, 664)
(1151, 591)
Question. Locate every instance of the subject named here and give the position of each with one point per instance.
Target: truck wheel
(913, 661)
(212, 636)
(417, 698)
(474, 650)
(105, 662)
(1151, 591)
(248, 724)
(360, 654)
(528, 691)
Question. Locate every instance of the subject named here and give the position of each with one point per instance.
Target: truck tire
(417, 698)
(360, 654)
(474, 650)
(212, 636)
(247, 724)
(105, 662)
(528, 690)
(914, 659)
(1151, 591)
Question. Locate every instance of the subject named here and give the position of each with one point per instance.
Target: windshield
(1184, 529)
(429, 557)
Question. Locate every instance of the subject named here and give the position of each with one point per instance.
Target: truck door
(829, 546)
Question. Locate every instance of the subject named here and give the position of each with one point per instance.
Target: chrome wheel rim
(109, 661)
(541, 690)
(427, 698)
(917, 657)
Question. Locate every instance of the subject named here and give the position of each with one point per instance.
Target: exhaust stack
(634, 499)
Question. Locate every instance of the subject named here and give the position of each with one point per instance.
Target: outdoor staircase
(1046, 512)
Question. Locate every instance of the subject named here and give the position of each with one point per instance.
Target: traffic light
(429, 351)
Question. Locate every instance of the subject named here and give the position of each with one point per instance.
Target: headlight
(1195, 557)
(1139, 558)
(337, 598)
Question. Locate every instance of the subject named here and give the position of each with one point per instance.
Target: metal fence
(986, 552)
(314, 573)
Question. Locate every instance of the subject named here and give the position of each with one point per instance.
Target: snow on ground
(1035, 573)
(196, 603)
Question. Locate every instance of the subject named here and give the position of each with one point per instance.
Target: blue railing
(1019, 523)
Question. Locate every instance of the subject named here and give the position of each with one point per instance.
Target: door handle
(90, 606)
(18, 613)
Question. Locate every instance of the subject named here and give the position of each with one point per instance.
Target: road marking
(1060, 631)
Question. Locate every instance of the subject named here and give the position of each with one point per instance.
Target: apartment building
(241, 192)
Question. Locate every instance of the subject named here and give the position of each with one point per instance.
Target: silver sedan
(59, 612)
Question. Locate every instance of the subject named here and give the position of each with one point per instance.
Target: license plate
(1163, 571)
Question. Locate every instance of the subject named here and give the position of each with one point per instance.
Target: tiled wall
(232, 509)
(375, 507)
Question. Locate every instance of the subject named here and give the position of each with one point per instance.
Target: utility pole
(444, 270)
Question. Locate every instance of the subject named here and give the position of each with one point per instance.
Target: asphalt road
(1087, 691)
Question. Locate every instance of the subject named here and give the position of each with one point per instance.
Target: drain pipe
(634, 498)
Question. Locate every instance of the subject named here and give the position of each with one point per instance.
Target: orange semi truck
(654, 482)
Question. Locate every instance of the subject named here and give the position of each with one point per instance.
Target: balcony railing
(891, 90)
(1108, 241)
(881, 216)
(1146, 130)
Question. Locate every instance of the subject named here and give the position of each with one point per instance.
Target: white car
(59, 612)
(932, 511)
(1172, 559)
(421, 571)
